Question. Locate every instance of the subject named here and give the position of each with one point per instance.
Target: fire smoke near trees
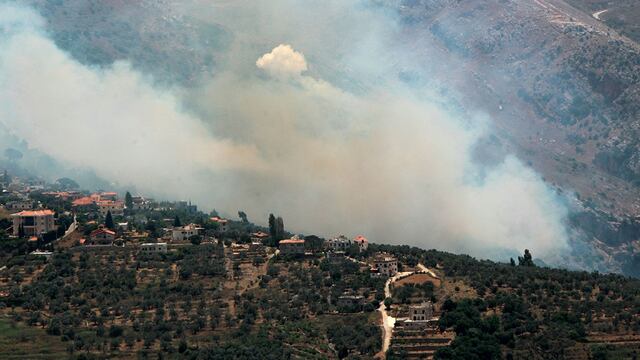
(319, 129)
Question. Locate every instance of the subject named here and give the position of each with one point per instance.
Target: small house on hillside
(292, 247)
(384, 265)
(362, 242)
(184, 233)
(153, 248)
(101, 236)
(339, 243)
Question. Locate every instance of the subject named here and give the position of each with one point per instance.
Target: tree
(272, 226)
(128, 200)
(177, 222)
(108, 221)
(526, 260)
(195, 239)
(387, 303)
(279, 228)
(243, 216)
(512, 262)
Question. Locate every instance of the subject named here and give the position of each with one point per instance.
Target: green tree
(526, 260)
(108, 221)
(272, 226)
(177, 222)
(128, 200)
(243, 216)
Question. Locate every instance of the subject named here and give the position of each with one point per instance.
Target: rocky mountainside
(563, 88)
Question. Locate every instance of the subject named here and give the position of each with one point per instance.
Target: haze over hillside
(480, 127)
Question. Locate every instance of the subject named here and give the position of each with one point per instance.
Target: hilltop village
(110, 275)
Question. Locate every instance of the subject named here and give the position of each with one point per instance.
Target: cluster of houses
(104, 202)
(382, 265)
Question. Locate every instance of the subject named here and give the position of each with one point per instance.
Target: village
(52, 220)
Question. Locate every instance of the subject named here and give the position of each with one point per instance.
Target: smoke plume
(306, 117)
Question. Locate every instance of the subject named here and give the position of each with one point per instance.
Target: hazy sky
(306, 116)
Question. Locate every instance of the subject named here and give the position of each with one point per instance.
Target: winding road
(388, 322)
(597, 14)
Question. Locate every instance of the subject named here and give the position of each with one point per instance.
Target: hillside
(562, 89)
(165, 279)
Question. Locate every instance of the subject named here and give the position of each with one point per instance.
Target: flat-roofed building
(384, 265)
(184, 233)
(422, 312)
(153, 248)
(339, 243)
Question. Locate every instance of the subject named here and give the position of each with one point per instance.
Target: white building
(339, 243)
(184, 233)
(153, 248)
(422, 312)
(46, 254)
(384, 265)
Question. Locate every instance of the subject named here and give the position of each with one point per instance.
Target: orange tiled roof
(34, 213)
(360, 238)
(292, 241)
(102, 230)
(83, 201)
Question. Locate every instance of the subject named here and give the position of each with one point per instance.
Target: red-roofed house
(362, 242)
(223, 224)
(33, 222)
(101, 236)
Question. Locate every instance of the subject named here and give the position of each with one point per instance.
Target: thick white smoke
(283, 61)
(301, 132)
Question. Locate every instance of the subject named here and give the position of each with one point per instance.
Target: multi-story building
(115, 207)
(384, 265)
(223, 224)
(422, 312)
(33, 222)
(362, 242)
(339, 243)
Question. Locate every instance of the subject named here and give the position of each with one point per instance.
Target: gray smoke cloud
(306, 117)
